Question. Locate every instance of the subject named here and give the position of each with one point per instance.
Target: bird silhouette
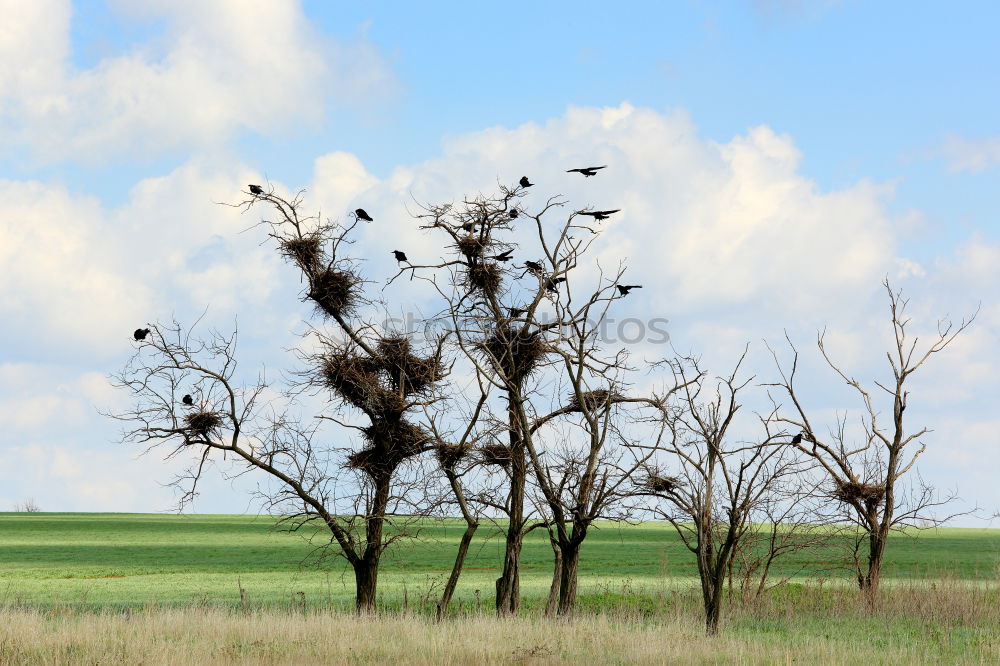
(524, 182)
(587, 171)
(362, 215)
(601, 214)
(623, 289)
(515, 312)
(533, 266)
(797, 439)
(400, 256)
(187, 399)
(552, 284)
(513, 214)
(503, 256)
(140, 333)
(256, 189)
(470, 227)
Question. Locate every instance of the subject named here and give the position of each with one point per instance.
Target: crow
(470, 227)
(513, 214)
(400, 256)
(187, 400)
(362, 215)
(140, 333)
(601, 214)
(587, 171)
(797, 439)
(515, 312)
(533, 266)
(503, 256)
(256, 189)
(623, 289)
(524, 182)
(552, 284)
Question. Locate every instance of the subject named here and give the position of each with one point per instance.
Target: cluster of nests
(479, 274)
(593, 401)
(514, 352)
(869, 494)
(333, 290)
(449, 455)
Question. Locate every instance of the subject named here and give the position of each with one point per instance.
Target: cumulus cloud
(218, 68)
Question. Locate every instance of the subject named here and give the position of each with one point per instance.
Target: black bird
(470, 227)
(587, 171)
(601, 214)
(513, 214)
(533, 266)
(552, 284)
(503, 256)
(400, 256)
(797, 439)
(256, 189)
(524, 182)
(187, 399)
(623, 289)
(140, 333)
(516, 312)
(362, 215)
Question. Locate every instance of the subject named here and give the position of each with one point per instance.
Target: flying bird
(140, 333)
(362, 215)
(516, 312)
(533, 266)
(187, 399)
(552, 284)
(601, 214)
(400, 256)
(524, 182)
(587, 171)
(797, 439)
(513, 214)
(623, 289)
(256, 189)
(503, 256)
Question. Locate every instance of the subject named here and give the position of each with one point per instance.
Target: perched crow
(533, 266)
(470, 227)
(797, 439)
(400, 256)
(552, 284)
(503, 256)
(587, 171)
(516, 312)
(187, 400)
(524, 182)
(362, 215)
(140, 333)
(256, 189)
(513, 214)
(601, 214)
(623, 289)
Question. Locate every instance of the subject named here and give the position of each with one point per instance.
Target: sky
(775, 161)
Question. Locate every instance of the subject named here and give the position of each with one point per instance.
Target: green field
(116, 560)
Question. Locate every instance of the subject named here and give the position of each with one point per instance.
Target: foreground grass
(943, 623)
(118, 560)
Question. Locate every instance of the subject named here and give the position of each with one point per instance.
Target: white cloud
(971, 154)
(219, 68)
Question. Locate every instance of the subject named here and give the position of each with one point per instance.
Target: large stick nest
(871, 494)
(203, 424)
(389, 444)
(306, 251)
(357, 380)
(514, 354)
(407, 372)
(485, 278)
(661, 483)
(333, 291)
(450, 455)
(495, 454)
(472, 246)
(594, 401)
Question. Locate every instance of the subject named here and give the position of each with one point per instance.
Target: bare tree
(377, 376)
(709, 489)
(869, 477)
(27, 506)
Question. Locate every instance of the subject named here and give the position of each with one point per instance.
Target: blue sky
(846, 140)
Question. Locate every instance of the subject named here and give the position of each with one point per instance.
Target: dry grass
(939, 623)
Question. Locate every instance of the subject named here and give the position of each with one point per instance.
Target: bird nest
(333, 291)
(389, 444)
(203, 423)
(594, 401)
(471, 246)
(406, 370)
(484, 278)
(495, 454)
(661, 483)
(306, 251)
(514, 354)
(356, 379)
(866, 493)
(450, 455)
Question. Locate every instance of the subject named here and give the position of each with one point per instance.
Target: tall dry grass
(920, 623)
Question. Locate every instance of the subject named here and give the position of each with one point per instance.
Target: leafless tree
(868, 478)
(382, 382)
(709, 489)
(27, 506)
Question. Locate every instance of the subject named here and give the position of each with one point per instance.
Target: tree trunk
(557, 568)
(366, 585)
(509, 584)
(366, 567)
(570, 569)
(869, 580)
(713, 609)
(456, 570)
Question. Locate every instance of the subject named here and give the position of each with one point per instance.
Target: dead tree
(868, 477)
(709, 489)
(379, 378)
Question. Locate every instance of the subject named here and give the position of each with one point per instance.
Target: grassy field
(152, 589)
